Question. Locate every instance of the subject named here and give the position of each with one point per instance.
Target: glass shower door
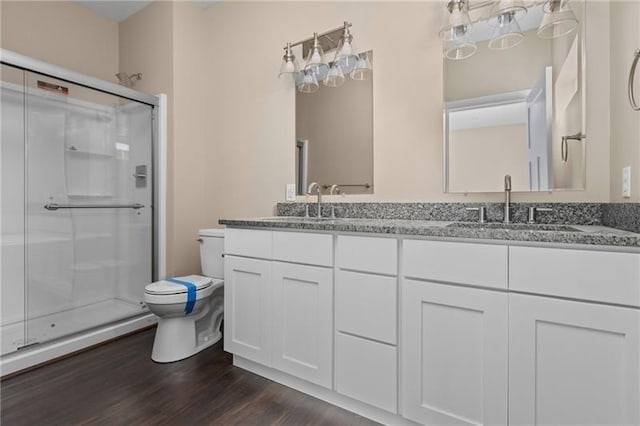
(88, 207)
(12, 197)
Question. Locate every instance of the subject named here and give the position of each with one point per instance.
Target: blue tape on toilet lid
(168, 287)
(191, 294)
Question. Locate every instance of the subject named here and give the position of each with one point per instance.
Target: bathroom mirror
(506, 111)
(334, 136)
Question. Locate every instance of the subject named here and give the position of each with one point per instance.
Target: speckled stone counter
(562, 213)
(542, 233)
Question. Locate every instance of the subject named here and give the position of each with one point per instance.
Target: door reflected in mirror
(507, 110)
(334, 136)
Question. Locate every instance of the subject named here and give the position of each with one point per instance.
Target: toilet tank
(211, 249)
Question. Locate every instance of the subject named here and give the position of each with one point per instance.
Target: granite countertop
(539, 233)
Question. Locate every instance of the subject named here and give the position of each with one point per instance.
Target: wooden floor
(118, 384)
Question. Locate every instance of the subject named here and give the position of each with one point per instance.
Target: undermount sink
(514, 226)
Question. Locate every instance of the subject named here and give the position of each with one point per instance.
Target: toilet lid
(168, 287)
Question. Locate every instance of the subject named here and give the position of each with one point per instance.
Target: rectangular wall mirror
(506, 111)
(334, 137)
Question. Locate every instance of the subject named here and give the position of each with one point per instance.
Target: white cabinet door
(573, 362)
(302, 328)
(247, 306)
(454, 354)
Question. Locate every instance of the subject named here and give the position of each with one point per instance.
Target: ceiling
(119, 10)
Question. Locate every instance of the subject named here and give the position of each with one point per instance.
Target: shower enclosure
(77, 204)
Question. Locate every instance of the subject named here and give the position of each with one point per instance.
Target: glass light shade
(315, 60)
(458, 44)
(345, 54)
(335, 77)
(507, 6)
(507, 34)
(455, 34)
(362, 71)
(309, 82)
(289, 65)
(558, 20)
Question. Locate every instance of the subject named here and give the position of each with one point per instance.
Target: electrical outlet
(626, 182)
(291, 192)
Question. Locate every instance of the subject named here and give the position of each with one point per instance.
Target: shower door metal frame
(158, 142)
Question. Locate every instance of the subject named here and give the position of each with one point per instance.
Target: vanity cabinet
(279, 313)
(303, 327)
(454, 338)
(572, 362)
(366, 320)
(247, 307)
(439, 332)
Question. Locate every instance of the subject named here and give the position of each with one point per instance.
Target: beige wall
(625, 123)
(62, 33)
(147, 46)
(194, 136)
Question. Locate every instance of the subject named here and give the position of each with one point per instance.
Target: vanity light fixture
(317, 69)
(558, 21)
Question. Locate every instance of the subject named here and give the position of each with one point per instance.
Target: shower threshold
(64, 323)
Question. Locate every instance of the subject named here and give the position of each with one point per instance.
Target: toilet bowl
(190, 308)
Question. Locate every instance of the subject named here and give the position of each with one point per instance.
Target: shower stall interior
(77, 222)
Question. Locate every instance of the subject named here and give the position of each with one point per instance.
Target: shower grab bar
(55, 206)
(630, 89)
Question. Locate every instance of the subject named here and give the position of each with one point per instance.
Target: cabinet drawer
(300, 247)
(248, 242)
(368, 254)
(366, 371)
(366, 305)
(580, 274)
(475, 264)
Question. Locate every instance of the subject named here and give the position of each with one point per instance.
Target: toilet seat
(207, 287)
(168, 287)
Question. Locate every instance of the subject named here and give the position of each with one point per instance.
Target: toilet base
(175, 340)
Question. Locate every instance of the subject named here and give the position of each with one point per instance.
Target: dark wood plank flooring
(118, 384)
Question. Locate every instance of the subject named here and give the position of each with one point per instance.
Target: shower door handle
(55, 206)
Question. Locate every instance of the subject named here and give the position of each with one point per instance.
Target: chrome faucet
(507, 199)
(315, 185)
(334, 189)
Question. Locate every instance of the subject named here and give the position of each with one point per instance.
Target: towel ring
(632, 72)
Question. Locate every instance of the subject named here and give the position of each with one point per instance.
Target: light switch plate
(626, 182)
(291, 192)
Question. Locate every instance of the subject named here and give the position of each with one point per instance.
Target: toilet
(190, 308)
